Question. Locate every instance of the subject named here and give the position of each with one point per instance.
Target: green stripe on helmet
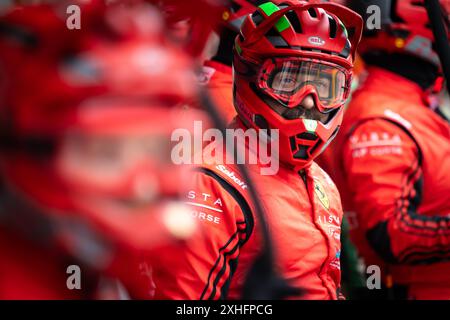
(282, 24)
(238, 48)
(269, 8)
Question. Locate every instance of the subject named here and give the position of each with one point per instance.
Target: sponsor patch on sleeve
(204, 206)
(375, 144)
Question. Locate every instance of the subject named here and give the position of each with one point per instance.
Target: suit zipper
(302, 173)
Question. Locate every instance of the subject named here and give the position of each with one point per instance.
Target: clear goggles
(290, 80)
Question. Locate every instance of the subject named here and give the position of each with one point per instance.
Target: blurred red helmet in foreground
(86, 118)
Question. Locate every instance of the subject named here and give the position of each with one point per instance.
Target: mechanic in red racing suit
(292, 73)
(393, 159)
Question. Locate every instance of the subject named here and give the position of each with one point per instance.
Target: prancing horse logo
(320, 192)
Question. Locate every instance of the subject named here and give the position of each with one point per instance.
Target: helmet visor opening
(289, 81)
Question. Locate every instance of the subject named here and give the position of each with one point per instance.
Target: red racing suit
(303, 213)
(218, 78)
(394, 173)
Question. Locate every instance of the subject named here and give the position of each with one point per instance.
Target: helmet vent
(333, 27)
(346, 51)
(312, 12)
(307, 136)
(299, 151)
(272, 33)
(292, 143)
(293, 19)
(278, 41)
(257, 18)
(315, 50)
(302, 152)
(274, 37)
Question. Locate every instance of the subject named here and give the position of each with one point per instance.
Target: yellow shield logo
(320, 192)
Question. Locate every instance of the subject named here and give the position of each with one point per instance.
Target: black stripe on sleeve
(249, 225)
(245, 208)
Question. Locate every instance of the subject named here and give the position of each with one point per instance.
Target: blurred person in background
(392, 159)
(285, 82)
(85, 167)
(216, 73)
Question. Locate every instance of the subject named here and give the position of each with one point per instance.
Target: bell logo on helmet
(316, 41)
